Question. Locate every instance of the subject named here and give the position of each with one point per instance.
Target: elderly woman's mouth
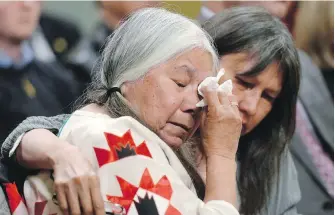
(174, 133)
(185, 127)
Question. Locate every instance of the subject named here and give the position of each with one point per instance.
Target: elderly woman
(258, 55)
(143, 101)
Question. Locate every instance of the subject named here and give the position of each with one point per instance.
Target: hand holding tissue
(213, 82)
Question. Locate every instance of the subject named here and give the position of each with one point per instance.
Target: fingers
(215, 98)
(203, 117)
(218, 99)
(72, 199)
(228, 100)
(211, 96)
(61, 198)
(233, 102)
(97, 201)
(223, 98)
(67, 197)
(74, 179)
(80, 196)
(83, 189)
(232, 99)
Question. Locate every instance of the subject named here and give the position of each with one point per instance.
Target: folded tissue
(213, 82)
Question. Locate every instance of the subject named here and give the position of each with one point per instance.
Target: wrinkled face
(276, 8)
(166, 96)
(18, 19)
(255, 94)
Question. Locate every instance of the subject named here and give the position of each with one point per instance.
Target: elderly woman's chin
(173, 137)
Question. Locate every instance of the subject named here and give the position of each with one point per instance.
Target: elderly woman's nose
(190, 100)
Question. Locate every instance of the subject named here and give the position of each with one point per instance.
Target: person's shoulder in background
(62, 34)
(311, 73)
(60, 40)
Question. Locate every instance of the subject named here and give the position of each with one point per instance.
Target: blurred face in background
(18, 19)
(112, 12)
(276, 8)
(124, 8)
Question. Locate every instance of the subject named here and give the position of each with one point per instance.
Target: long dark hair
(254, 31)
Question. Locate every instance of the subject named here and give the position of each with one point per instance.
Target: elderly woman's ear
(124, 88)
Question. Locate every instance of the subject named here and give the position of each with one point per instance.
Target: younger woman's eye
(244, 83)
(268, 97)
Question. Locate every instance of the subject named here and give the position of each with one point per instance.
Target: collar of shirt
(206, 13)
(27, 55)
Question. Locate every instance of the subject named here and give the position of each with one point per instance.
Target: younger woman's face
(256, 94)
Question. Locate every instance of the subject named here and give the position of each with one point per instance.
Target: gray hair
(144, 40)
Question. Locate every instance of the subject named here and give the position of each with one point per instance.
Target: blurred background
(74, 10)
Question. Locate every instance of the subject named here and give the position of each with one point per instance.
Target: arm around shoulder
(36, 122)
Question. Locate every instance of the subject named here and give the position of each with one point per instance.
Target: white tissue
(213, 82)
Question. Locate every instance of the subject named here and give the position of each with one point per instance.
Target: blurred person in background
(60, 34)
(312, 146)
(277, 8)
(28, 86)
(112, 13)
(284, 10)
(85, 55)
(59, 39)
(314, 33)
(53, 40)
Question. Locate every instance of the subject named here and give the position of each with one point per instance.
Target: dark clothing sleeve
(51, 123)
(38, 89)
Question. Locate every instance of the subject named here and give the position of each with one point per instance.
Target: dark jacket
(37, 89)
(81, 53)
(318, 104)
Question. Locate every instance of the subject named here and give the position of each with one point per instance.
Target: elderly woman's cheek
(161, 109)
